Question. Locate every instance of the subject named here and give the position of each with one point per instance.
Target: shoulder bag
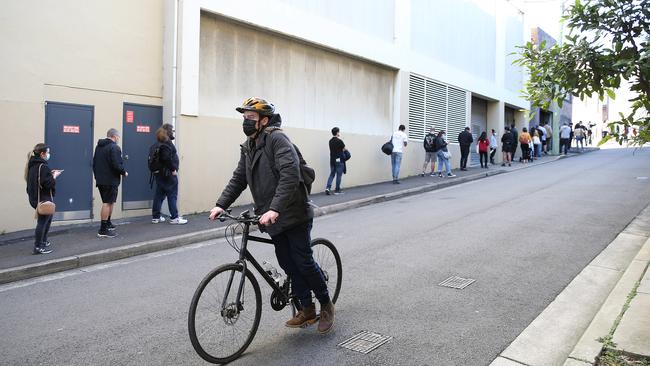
(387, 148)
(45, 208)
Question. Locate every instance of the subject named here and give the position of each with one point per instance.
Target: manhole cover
(365, 342)
(457, 282)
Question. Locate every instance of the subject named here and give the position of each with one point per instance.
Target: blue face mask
(47, 156)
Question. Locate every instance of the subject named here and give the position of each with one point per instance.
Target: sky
(544, 14)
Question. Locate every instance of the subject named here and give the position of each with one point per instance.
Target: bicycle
(217, 309)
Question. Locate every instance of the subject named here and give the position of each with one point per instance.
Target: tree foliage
(608, 41)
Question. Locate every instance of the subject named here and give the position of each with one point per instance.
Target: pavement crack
(513, 360)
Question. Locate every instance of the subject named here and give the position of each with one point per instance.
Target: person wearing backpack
(108, 167)
(270, 166)
(163, 163)
(429, 152)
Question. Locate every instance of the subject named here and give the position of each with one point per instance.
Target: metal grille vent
(365, 342)
(417, 113)
(457, 282)
(435, 104)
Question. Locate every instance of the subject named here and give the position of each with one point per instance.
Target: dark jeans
(525, 152)
(42, 228)
(464, 153)
(336, 169)
(483, 155)
(165, 187)
(492, 152)
(514, 150)
(293, 250)
(564, 145)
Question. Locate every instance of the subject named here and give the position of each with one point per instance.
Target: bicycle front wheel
(221, 328)
(329, 261)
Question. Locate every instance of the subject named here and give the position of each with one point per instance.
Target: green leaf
(611, 93)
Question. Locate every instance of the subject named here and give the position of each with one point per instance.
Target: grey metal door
(479, 124)
(69, 133)
(139, 126)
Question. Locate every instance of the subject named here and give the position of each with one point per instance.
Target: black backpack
(153, 161)
(307, 173)
(430, 142)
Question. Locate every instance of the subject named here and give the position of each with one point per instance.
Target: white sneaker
(160, 219)
(178, 221)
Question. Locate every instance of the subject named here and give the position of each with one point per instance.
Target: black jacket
(108, 165)
(515, 135)
(168, 157)
(283, 194)
(507, 141)
(441, 144)
(430, 142)
(465, 138)
(48, 183)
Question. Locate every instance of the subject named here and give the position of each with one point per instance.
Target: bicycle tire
(329, 261)
(233, 316)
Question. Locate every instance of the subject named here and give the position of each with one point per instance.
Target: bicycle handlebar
(243, 217)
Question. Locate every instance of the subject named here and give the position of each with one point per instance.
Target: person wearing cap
(108, 168)
(269, 166)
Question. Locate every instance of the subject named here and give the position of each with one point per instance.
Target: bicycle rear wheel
(329, 261)
(221, 331)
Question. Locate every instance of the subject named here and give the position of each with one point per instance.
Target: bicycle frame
(245, 255)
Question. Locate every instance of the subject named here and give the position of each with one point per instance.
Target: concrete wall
(209, 151)
(313, 88)
(94, 53)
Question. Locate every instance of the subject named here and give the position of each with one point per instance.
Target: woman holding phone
(41, 182)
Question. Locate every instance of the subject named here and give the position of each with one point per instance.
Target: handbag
(446, 154)
(387, 148)
(345, 155)
(45, 208)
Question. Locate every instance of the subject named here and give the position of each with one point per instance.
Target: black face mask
(249, 127)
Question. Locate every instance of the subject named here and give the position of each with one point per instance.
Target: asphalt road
(523, 236)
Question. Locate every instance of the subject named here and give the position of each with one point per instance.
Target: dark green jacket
(284, 194)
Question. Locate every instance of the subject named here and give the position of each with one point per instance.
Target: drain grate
(365, 342)
(457, 282)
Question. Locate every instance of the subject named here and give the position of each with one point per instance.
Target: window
(435, 104)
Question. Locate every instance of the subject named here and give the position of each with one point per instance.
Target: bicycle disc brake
(230, 314)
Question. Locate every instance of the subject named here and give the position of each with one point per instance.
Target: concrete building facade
(79, 68)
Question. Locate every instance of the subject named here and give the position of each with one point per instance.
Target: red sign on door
(143, 129)
(70, 129)
(129, 116)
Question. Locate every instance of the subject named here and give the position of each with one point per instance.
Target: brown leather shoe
(303, 318)
(326, 321)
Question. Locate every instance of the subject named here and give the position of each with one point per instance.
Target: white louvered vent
(416, 107)
(435, 104)
(436, 100)
(456, 112)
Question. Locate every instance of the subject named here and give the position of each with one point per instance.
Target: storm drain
(365, 342)
(457, 282)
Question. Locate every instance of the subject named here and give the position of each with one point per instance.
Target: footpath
(601, 318)
(76, 246)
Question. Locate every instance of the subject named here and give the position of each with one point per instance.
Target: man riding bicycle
(270, 167)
